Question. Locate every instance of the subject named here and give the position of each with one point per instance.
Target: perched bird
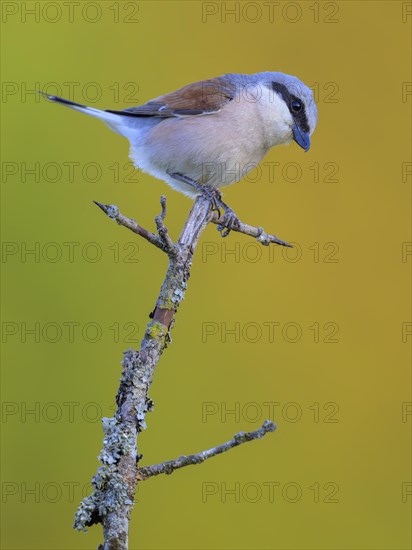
(210, 134)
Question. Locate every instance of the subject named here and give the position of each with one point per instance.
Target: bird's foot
(214, 196)
(230, 221)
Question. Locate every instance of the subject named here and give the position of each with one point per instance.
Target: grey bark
(115, 481)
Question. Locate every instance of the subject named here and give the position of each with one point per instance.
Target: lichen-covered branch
(115, 481)
(171, 465)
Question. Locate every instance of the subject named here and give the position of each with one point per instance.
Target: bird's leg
(215, 198)
(207, 191)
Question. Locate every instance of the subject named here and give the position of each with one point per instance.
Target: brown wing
(199, 98)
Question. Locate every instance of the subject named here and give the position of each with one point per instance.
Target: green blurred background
(317, 339)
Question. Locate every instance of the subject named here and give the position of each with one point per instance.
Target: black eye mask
(299, 114)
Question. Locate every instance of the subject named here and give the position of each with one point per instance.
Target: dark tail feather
(58, 99)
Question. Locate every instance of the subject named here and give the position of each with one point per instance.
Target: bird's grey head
(300, 113)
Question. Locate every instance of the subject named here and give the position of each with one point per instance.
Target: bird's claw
(230, 221)
(214, 196)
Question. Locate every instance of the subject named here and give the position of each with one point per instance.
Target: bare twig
(171, 465)
(162, 229)
(257, 232)
(162, 240)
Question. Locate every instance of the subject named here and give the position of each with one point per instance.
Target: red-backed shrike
(210, 134)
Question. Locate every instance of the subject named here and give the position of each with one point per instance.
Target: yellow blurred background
(316, 338)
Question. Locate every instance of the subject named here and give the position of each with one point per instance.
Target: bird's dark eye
(296, 105)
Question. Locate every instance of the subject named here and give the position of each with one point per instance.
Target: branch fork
(163, 241)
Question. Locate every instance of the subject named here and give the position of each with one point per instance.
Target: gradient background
(341, 479)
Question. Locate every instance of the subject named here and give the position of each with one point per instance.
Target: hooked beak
(302, 138)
